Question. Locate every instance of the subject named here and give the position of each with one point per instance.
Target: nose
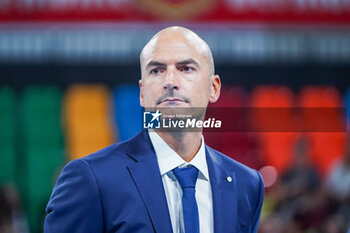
(171, 80)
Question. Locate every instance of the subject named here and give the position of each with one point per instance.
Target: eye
(186, 69)
(156, 71)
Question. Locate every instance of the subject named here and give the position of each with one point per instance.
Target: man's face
(176, 74)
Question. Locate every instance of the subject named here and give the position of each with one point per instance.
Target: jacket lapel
(224, 194)
(146, 176)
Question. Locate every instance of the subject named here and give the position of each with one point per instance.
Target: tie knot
(187, 177)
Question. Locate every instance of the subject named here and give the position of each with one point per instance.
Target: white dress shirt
(168, 159)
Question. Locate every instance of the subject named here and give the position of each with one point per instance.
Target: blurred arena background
(68, 87)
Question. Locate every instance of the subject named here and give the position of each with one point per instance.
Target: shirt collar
(168, 159)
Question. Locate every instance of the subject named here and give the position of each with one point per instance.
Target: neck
(185, 144)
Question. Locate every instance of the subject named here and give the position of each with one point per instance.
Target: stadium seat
(326, 147)
(240, 146)
(42, 152)
(272, 116)
(87, 116)
(7, 136)
(127, 111)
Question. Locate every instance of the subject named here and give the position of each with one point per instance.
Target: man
(161, 181)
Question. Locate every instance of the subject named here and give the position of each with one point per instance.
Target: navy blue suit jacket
(120, 189)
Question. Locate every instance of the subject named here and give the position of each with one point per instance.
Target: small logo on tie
(151, 120)
(229, 179)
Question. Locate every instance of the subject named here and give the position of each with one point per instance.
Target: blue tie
(187, 177)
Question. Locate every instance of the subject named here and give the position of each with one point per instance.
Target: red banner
(206, 11)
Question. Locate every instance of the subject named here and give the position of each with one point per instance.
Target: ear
(215, 87)
(141, 94)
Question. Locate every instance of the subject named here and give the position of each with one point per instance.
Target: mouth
(172, 100)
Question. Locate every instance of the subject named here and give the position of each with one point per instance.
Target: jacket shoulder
(242, 171)
(116, 151)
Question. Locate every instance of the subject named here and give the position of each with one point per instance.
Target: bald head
(180, 36)
(177, 70)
